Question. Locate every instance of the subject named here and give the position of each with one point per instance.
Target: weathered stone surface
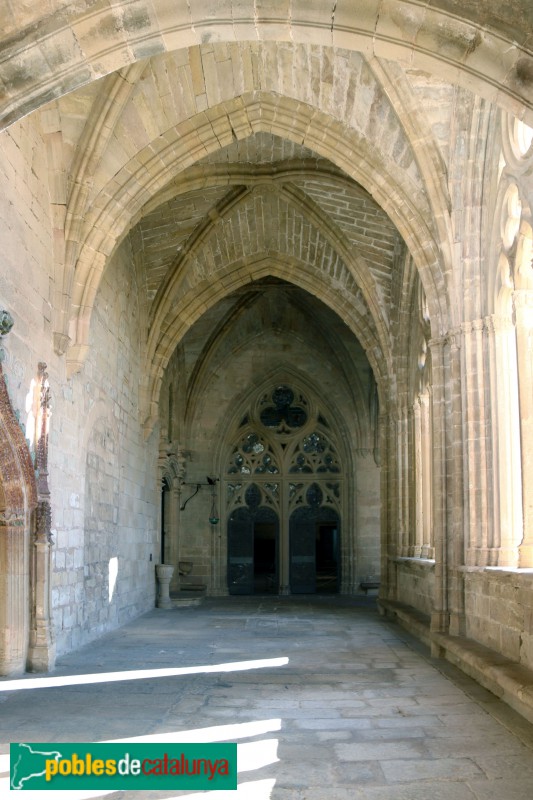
(263, 194)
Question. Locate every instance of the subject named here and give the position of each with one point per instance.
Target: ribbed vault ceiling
(335, 204)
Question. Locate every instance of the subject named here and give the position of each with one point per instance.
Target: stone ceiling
(224, 163)
(164, 233)
(47, 49)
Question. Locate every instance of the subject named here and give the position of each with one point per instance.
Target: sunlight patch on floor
(137, 674)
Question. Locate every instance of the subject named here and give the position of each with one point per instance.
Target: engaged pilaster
(523, 305)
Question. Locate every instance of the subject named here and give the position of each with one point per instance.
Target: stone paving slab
(359, 712)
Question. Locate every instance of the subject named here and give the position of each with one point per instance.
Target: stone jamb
(19, 492)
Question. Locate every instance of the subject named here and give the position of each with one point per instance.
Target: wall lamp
(212, 482)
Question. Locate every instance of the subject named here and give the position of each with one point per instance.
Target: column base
(41, 652)
(440, 621)
(525, 556)
(457, 624)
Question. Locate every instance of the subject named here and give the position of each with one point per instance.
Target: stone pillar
(417, 488)
(41, 654)
(389, 505)
(424, 401)
(404, 480)
(174, 501)
(439, 615)
(172, 468)
(455, 483)
(42, 650)
(523, 305)
(505, 421)
(479, 513)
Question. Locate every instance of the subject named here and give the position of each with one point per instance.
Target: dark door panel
(302, 549)
(241, 552)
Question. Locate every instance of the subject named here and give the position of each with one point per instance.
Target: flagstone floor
(326, 700)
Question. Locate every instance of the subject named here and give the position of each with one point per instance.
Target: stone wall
(107, 525)
(415, 579)
(103, 474)
(367, 503)
(25, 258)
(499, 611)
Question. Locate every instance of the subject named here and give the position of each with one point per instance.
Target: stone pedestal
(164, 574)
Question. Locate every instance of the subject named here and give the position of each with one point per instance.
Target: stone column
(389, 505)
(172, 468)
(505, 422)
(455, 483)
(428, 548)
(41, 654)
(417, 489)
(523, 305)
(481, 550)
(404, 480)
(439, 615)
(174, 501)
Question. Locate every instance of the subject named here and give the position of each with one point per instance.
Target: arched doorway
(283, 486)
(314, 545)
(253, 546)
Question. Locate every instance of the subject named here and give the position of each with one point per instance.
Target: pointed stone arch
(200, 383)
(133, 187)
(198, 259)
(338, 480)
(194, 302)
(70, 48)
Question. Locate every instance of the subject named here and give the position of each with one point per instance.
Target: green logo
(123, 766)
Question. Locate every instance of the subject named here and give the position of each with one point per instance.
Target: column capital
(451, 338)
(496, 323)
(454, 338)
(436, 341)
(436, 347)
(473, 325)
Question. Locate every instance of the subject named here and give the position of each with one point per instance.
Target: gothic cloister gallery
(287, 246)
